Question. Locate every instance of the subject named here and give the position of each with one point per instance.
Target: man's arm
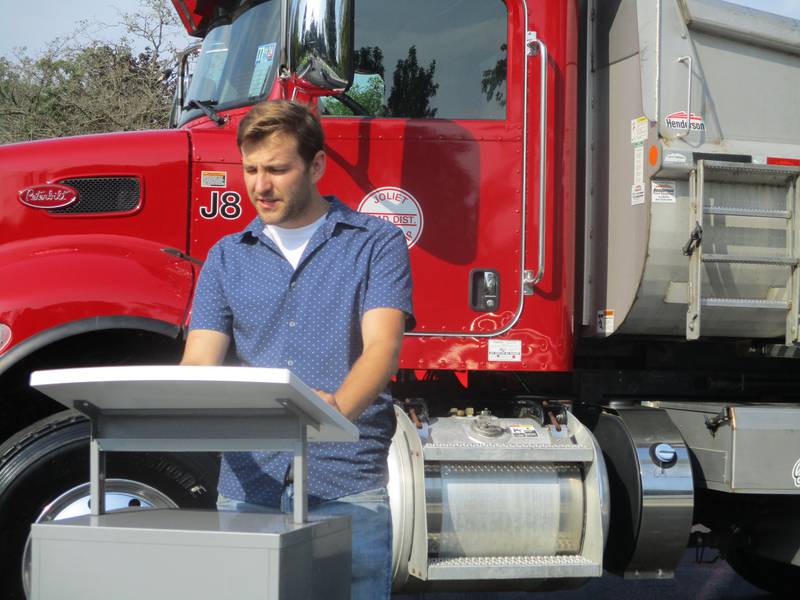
(205, 347)
(382, 335)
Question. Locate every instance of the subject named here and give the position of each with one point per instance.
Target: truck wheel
(780, 579)
(44, 471)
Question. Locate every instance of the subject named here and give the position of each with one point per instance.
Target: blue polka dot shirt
(309, 321)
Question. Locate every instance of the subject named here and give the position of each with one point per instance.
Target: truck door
(430, 139)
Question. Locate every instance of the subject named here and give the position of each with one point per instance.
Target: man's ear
(317, 166)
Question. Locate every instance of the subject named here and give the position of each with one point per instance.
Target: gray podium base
(202, 555)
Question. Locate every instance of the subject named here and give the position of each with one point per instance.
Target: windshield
(239, 58)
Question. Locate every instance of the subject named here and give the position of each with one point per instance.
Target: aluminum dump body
(692, 158)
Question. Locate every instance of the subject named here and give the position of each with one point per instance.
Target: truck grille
(100, 195)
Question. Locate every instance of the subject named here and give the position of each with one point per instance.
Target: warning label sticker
(605, 321)
(639, 130)
(397, 206)
(505, 350)
(213, 179)
(637, 194)
(681, 120)
(663, 192)
(523, 431)
(638, 164)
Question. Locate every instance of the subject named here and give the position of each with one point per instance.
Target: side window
(426, 59)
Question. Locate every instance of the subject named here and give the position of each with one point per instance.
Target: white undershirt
(292, 242)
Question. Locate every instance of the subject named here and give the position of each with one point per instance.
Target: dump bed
(692, 162)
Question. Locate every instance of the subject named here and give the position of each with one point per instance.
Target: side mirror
(321, 45)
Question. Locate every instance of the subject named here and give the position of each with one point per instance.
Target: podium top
(167, 389)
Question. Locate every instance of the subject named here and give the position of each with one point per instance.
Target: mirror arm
(352, 104)
(182, 62)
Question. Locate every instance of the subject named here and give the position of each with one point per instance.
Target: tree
(369, 59)
(82, 85)
(412, 88)
(493, 81)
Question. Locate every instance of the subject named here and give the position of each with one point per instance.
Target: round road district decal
(398, 207)
(796, 473)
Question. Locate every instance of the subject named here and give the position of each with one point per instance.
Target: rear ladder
(713, 212)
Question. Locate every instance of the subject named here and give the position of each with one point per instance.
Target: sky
(34, 23)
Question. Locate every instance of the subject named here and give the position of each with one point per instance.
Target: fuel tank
(481, 502)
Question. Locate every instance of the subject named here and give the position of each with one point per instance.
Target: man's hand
(205, 347)
(329, 399)
(382, 335)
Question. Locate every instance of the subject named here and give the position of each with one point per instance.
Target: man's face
(280, 184)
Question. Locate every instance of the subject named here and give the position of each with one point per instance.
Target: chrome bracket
(530, 43)
(528, 283)
(722, 418)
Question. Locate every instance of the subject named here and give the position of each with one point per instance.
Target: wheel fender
(652, 502)
(73, 328)
(50, 282)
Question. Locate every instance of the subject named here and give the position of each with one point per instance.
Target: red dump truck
(600, 201)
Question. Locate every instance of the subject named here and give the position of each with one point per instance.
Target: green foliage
(368, 94)
(412, 88)
(90, 86)
(369, 59)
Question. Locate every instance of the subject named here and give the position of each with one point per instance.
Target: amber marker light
(653, 155)
(5, 336)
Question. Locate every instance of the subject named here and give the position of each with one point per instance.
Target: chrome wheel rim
(121, 494)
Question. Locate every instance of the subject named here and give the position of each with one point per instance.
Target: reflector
(5, 336)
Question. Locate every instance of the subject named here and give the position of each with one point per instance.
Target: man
(315, 287)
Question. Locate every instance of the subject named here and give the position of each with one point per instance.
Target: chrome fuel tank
(487, 503)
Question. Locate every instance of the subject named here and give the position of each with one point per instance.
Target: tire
(42, 462)
(780, 579)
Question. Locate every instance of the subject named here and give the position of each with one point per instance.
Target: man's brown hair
(266, 119)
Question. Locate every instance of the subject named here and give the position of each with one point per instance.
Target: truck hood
(133, 184)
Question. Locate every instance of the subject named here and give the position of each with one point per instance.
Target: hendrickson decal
(680, 120)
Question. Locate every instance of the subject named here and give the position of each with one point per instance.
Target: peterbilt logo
(50, 195)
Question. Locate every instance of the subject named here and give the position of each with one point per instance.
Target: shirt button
(292, 323)
(290, 362)
(293, 285)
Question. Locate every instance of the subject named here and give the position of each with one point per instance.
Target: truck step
(744, 259)
(745, 303)
(512, 567)
(731, 172)
(730, 211)
(481, 453)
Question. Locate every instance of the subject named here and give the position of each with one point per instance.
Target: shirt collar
(338, 214)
